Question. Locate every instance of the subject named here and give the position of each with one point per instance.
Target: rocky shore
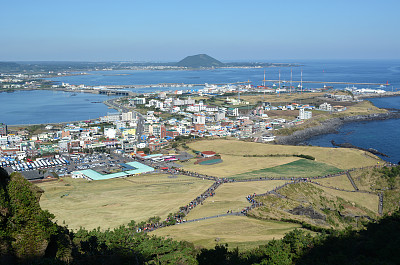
(331, 126)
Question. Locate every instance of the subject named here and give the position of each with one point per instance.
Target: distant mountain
(200, 60)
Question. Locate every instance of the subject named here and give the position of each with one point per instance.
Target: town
(147, 123)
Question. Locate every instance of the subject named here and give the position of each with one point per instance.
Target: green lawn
(298, 168)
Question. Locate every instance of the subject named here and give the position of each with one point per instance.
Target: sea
(32, 107)
(44, 106)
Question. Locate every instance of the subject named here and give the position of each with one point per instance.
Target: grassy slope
(299, 168)
(234, 230)
(306, 194)
(234, 164)
(110, 203)
(341, 182)
(371, 180)
(232, 152)
(231, 196)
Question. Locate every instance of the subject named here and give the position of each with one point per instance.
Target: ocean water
(365, 71)
(42, 106)
(382, 135)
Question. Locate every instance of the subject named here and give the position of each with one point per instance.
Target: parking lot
(64, 165)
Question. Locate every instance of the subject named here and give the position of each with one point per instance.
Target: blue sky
(153, 30)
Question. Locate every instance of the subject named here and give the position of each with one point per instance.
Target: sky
(253, 30)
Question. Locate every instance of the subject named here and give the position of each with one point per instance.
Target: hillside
(200, 60)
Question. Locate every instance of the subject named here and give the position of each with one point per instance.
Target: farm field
(110, 203)
(231, 196)
(235, 230)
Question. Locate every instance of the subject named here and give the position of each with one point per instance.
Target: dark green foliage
(390, 174)
(378, 244)
(305, 156)
(29, 237)
(128, 247)
(25, 228)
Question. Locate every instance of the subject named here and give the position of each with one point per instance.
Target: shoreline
(331, 126)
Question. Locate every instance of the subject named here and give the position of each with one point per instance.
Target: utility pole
(291, 79)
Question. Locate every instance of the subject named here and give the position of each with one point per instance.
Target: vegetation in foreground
(28, 236)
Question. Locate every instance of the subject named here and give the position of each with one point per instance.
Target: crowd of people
(210, 192)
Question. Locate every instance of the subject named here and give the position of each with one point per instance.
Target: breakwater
(349, 145)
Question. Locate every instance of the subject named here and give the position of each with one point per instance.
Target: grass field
(369, 201)
(325, 201)
(231, 196)
(298, 168)
(110, 203)
(235, 164)
(232, 152)
(341, 182)
(235, 230)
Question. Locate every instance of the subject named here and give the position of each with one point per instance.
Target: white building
(111, 117)
(220, 115)
(138, 101)
(128, 116)
(199, 119)
(326, 106)
(305, 115)
(110, 133)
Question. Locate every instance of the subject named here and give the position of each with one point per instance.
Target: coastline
(331, 126)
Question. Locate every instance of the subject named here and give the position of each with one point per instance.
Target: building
(199, 119)
(172, 133)
(208, 153)
(128, 116)
(220, 115)
(111, 117)
(326, 106)
(3, 129)
(110, 133)
(305, 115)
(233, 112)
(138, 101)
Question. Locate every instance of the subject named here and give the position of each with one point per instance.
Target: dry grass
(110, 203)
(328, 202)
(369, 201)
(342, 158)
(234, 230)
(341, 182)
(235, 164)
(231, 196)
(364, 107)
